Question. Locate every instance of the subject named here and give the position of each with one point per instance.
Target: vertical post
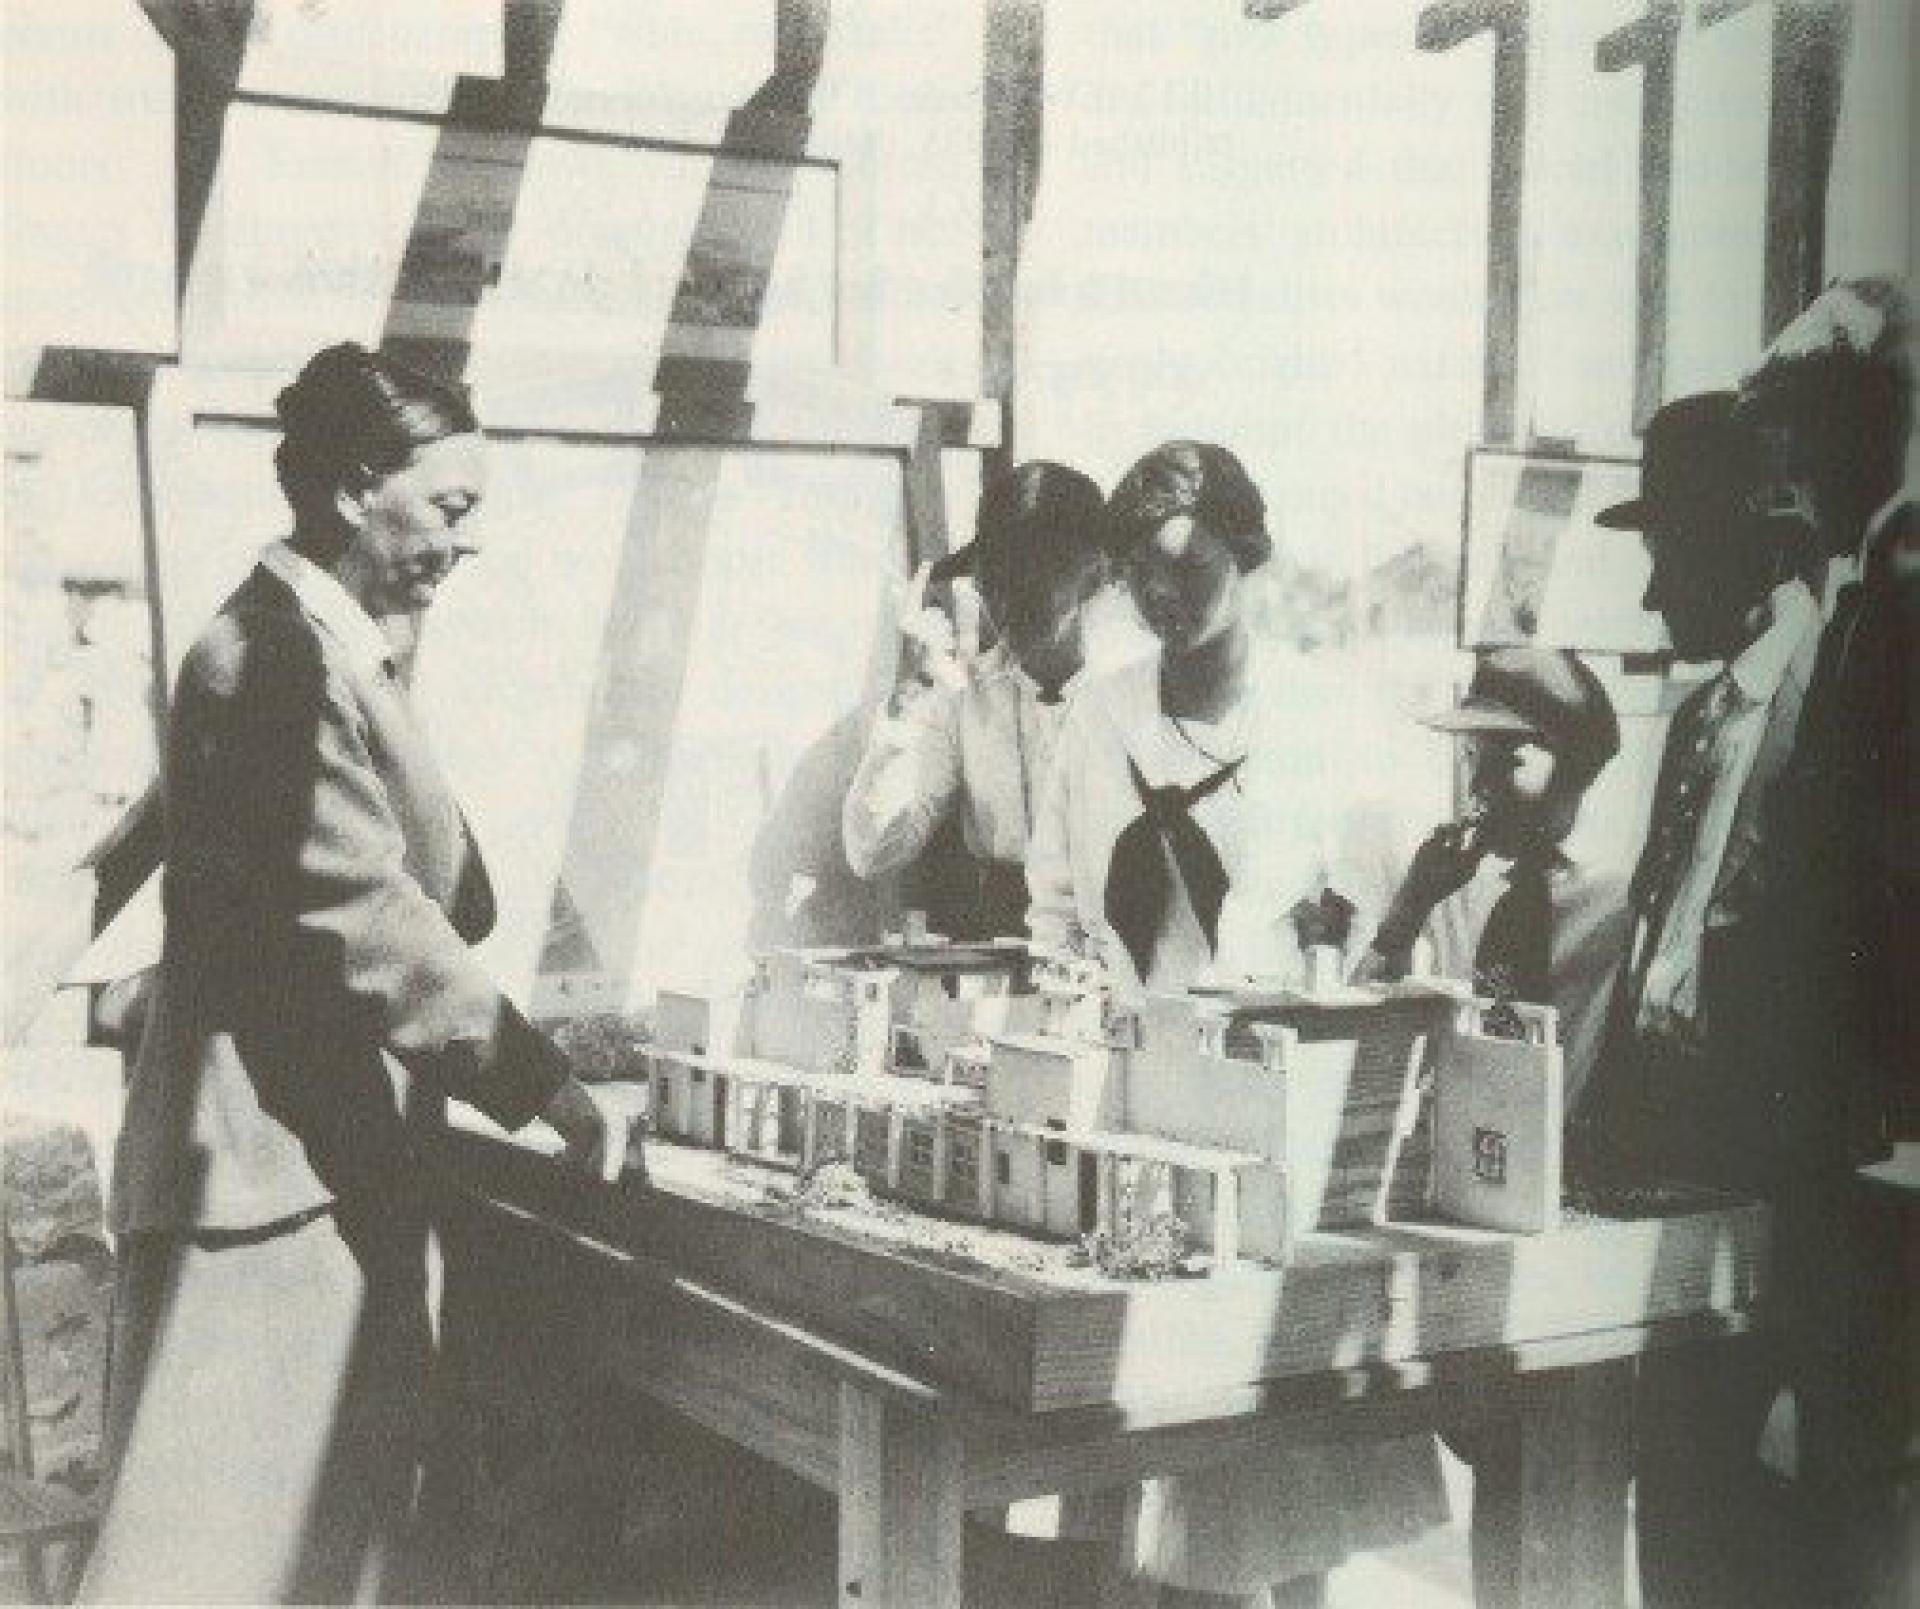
(1809, 54)
(1443, 26)
(1010, 139)
(901, 1494)
(1651, 42)
(1226, 1216)
(1550, 1492)
(1810, 39)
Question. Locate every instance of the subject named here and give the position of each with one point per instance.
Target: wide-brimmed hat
(1544, 694)
(1039, 516)
(1697, 461)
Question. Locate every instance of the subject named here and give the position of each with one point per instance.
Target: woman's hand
(594, 1128)
(929, 654)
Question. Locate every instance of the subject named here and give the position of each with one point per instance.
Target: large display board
(543, 254)
(649, 690)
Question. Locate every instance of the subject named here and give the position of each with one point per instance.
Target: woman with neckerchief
(1201, 801)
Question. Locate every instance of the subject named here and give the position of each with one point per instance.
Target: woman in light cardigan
(1198, 800)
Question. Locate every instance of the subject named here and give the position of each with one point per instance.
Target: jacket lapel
(1776, 748)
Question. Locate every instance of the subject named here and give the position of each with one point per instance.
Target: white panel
(76, 672)
(371, 51)
(1234, 242)
(291, 257)
(1581, 222)
(549, 683)
(89, 177)
(581, 256)
(1719, 201)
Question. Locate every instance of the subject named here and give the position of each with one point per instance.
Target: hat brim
(1475, 715)
(1628, 516)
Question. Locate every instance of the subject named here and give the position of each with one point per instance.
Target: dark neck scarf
(1162, 841)
(1513, 958)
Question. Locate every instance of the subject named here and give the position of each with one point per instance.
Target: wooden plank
(1390, 1295)
(1013, 68)
(1550, 1519)
(748, 1377)
(900, 1504)
(1651, 42)
(1810, 39)
(943, 1324)
(1056, 1337)
(1444, 26)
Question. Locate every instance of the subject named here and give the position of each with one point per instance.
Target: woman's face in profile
(414, 525)
(1185, 582)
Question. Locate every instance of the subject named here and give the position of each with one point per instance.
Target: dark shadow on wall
(612, 837)
(804, 893)
(457, 245)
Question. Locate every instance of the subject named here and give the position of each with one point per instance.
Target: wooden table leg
(900, 1504)
(1550, 1492)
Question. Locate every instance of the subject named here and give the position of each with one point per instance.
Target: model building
(1250, 1117)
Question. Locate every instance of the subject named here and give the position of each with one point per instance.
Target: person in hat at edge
(1507, 899)
(979, 739)
(1831, 404)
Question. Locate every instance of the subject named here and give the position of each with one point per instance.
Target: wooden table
(917, 1385)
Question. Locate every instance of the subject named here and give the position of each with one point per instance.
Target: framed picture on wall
(1536, 567)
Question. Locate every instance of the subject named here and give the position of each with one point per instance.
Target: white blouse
(1304, 813)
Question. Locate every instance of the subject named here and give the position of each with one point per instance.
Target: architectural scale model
(1004, 1087)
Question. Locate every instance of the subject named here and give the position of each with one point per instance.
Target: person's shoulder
(259, 634)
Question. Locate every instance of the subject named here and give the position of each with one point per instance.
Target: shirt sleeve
(288, 833)
(907, 781)
(1053, 910)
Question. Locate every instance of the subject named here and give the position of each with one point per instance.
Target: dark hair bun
(336, 384)
(351, 414)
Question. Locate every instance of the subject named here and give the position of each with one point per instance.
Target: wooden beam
(1013, 69)
(1810, 42)
(1550, 1492)
(1029, 1339)
(901, 1500)
(1651, 43)
(1442, 27)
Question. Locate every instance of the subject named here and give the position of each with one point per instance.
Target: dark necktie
(1513, 958)
(1675, 832)
(1162, 839)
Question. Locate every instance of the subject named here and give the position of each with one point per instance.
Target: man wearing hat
(1502, 898)
(1691, 1088)
(1832, 400)
(1734, 587)
(1832, 404)
(980, 738)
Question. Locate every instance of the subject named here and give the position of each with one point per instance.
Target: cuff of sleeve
(514, 1077)
(892, 733)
